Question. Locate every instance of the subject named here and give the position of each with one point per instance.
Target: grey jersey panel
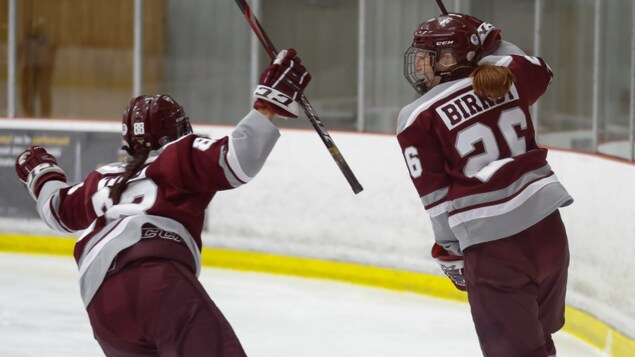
(435, 196)
(507, 48)
(509, 191)
(118, 235)
(537, 207)
(252, 140)
(48, 204)
(444, 235)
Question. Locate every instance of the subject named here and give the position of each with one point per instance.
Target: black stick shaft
(308, 109)
(442, 7)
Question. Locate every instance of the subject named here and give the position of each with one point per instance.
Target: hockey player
(493, 199)
(139, 256)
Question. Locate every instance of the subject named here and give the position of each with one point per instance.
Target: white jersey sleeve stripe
(230, 175)
(48, 205)
(234, 164)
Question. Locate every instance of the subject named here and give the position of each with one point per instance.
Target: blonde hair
(492, 82)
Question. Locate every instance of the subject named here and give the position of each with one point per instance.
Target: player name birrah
(468, 105)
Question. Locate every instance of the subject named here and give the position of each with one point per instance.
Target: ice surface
(41, 314)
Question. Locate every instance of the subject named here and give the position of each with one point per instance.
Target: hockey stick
(442, 7)
(308, 109)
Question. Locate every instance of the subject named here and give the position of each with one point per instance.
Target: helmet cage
(425, 69)
(415, 60)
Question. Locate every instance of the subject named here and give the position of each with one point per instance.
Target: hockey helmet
(446, 48)
(153, 121)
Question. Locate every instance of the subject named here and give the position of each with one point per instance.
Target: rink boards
(300, 217)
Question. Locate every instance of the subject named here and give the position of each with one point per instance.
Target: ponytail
(139, 158)
(492, 82)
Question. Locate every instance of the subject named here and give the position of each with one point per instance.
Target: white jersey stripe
(438, 209)
(48, 205)
(50, 216)
(90, 257)
(234, 164)
(463, 83)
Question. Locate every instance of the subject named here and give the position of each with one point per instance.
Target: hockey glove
(451, 265)
(35, 167)
(281, 85)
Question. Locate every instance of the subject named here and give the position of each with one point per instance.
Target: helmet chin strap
(434, 82)
(459, 73)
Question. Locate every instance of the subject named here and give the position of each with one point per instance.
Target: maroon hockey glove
(281, 85)
(451, 265)
(35, 167)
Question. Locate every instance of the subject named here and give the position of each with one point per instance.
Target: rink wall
(300, 217)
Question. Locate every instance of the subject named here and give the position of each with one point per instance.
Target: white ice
(41, 314)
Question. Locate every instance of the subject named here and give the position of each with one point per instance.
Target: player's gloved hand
(451, 265)
(35, 167)
(281, 85)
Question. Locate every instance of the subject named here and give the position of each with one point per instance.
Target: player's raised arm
(143, 217)
(470, 147)
(280, 87)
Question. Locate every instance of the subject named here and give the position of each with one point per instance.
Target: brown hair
(138, 159)
(492, 82)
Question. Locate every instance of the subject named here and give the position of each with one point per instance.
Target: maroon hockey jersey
(475, 162)
(162, 210)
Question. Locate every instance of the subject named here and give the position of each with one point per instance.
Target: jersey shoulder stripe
(411, 112)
